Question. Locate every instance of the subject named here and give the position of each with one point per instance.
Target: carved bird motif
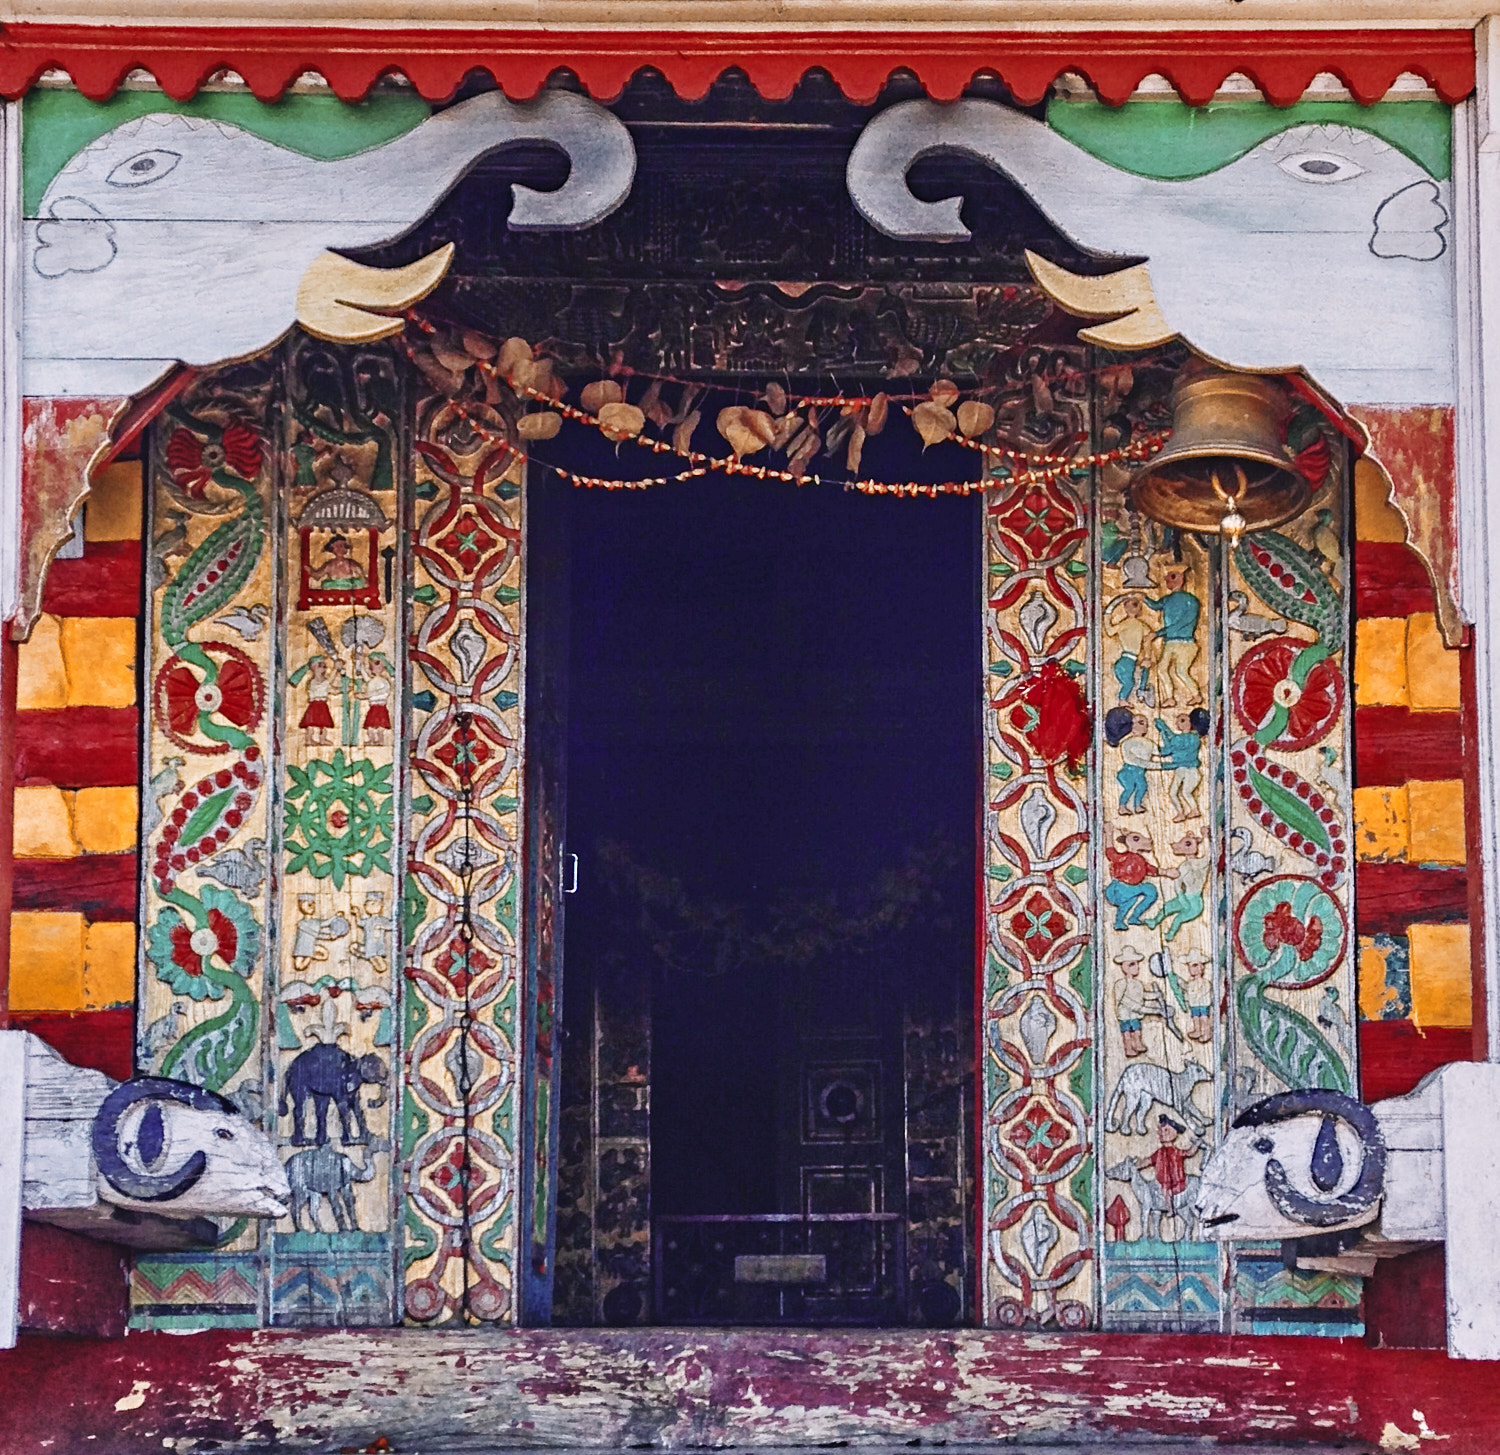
(161, 1033)
(248, 621)
(242, 869)
(1249, 863)
(1247, 623)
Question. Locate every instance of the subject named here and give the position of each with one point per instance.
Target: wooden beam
(479, 1388)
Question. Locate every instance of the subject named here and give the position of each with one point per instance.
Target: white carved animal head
(167, 1147)
(1324, 248)
(175, 238)
(1299, 1163)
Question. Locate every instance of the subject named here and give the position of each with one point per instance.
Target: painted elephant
(178, 239)
(327, 1075)
(1323, 248)
(320, 1173)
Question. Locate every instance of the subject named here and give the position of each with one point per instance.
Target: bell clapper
(1233, 524)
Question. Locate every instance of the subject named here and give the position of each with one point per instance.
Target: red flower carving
(1053, 716)
(467, 542)
(235, 695)
(193, 461)
(1038, 925)
(1282, 927)
(1263, 682)
(1038, 1134)
(1035, 518)
(226, 943)
(462, 963)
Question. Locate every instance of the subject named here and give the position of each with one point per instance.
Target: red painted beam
(436, 1389)
(79, 747)
(100, 886)
(1389, 897)
(1406, 1302)
(1393, 745)
(1282, 63)
(104, 581)
(101, 1039)
(1390, 580)
(71, 1284)
(1395, 1055)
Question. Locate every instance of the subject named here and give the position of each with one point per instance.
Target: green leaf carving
(1288, 1044)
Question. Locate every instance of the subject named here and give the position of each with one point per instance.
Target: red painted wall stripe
(1390, 580)
(79, 747)
(1395, 1055)
(102, 887)
(1393, 745)
(1389, 897)
(102, 1039)
(1282, 63)
(104, 581)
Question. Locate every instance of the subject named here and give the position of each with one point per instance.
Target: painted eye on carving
(1320, 167)
(142, 168)
(224, 1134)
(1263, 1145)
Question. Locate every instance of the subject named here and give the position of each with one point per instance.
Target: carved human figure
(1132, 668)
(1134, 999)
(376, 688)
(309, 939)
(1186, 903)
(373, 945)
(1129, 888)
(1177, 639)
(1198, 992)
(1168, 1163)
(1182, 755)
(316, 721)
(1126, 730)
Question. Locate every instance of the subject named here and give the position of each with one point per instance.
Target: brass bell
(1226, 469)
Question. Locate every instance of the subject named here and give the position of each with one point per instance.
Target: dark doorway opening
(772, 788)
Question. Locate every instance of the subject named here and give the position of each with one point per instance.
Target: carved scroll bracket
(1413, 449)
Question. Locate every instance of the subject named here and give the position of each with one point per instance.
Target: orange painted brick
(104, 820)
(99, 654)
(41, 677)
(1431, 668)
(113, 509)
(1380, 661)
(1441, 975)
(46, 961)
(43, 827)
(1435, 813)
(1382, 826)
(1375, 518)
(108, 965)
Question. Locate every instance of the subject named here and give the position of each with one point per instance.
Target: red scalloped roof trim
(1281, 63)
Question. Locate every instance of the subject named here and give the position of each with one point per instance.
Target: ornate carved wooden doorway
(773, 781)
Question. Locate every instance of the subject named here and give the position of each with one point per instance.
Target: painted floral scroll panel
(1036, 1017)
(1289, 891)
(206, 821)
(461, 1018)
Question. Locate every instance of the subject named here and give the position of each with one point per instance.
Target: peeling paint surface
(674, 1390)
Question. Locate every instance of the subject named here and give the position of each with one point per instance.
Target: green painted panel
(57, 125)
(1170, 139)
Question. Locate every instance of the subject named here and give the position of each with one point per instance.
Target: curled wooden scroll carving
(1413, 449)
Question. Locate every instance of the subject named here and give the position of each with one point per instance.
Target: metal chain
(466, 934)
